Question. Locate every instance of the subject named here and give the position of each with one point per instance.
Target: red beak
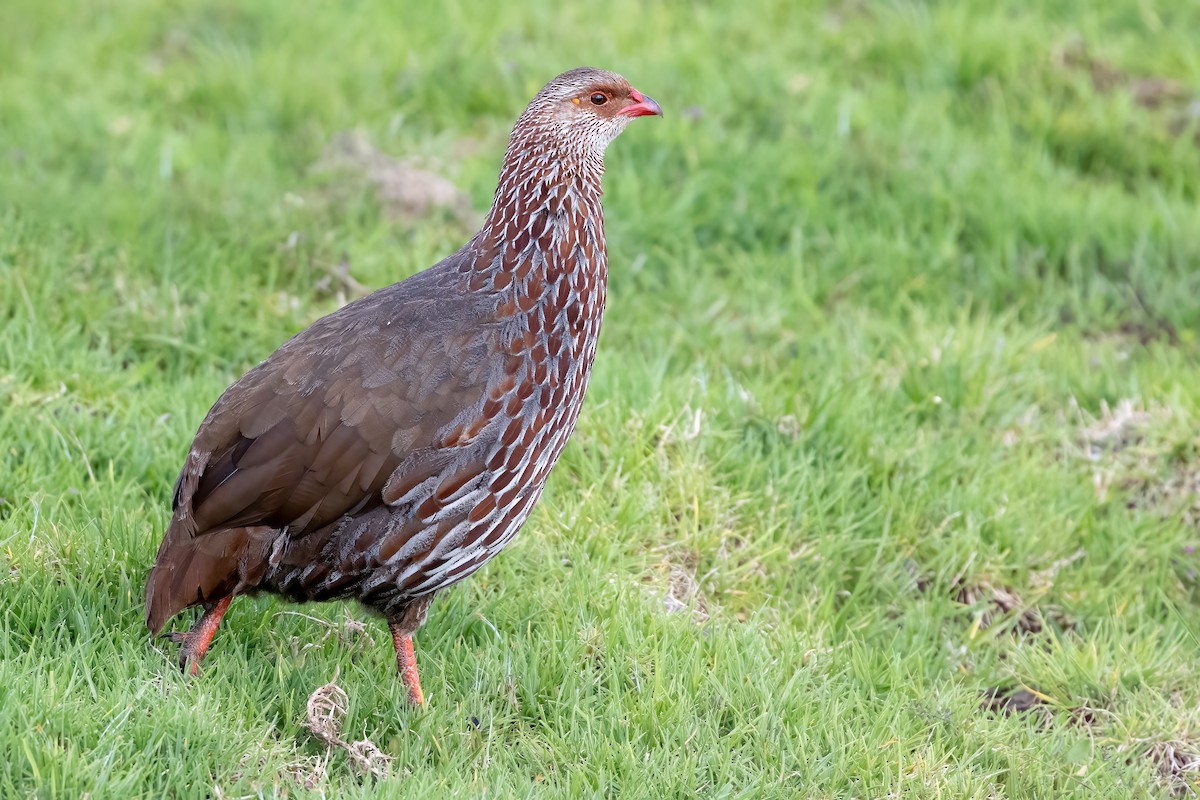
(643, 106)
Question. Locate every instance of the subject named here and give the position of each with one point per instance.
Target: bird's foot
(195, 642)
(406, 662)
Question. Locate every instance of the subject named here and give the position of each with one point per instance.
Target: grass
(897, 400)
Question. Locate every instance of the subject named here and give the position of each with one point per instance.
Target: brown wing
(315, 431)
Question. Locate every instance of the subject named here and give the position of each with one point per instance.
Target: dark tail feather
(192, 570)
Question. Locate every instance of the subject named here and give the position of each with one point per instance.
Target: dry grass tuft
(326, 709)
(1178, 766)
(308, 772)
(682, 592)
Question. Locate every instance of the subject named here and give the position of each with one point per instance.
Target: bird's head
(586, 108)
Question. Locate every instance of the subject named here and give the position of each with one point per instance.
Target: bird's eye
(599, 99)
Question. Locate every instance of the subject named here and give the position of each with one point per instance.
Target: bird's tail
(196, 569)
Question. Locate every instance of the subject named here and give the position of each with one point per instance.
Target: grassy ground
(896, 403)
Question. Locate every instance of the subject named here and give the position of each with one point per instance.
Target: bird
(395, 446)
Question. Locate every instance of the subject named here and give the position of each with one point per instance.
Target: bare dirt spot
(1154, 329)
(993, 603)
(1148, 91)
(1175, 761)
(789, 426)
(1178, 765)
(845, 12)
(324, 714)
(1136, 454)
(1010, 701)
(1151, 92)
(1178, 492)
(175, 46)
(404, 190)
(997, 601)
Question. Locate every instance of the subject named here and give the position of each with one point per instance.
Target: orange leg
(406, 662)
(195, 643)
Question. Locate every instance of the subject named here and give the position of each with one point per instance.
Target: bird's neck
(547, 211)
(540, 161)
(541, 252)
